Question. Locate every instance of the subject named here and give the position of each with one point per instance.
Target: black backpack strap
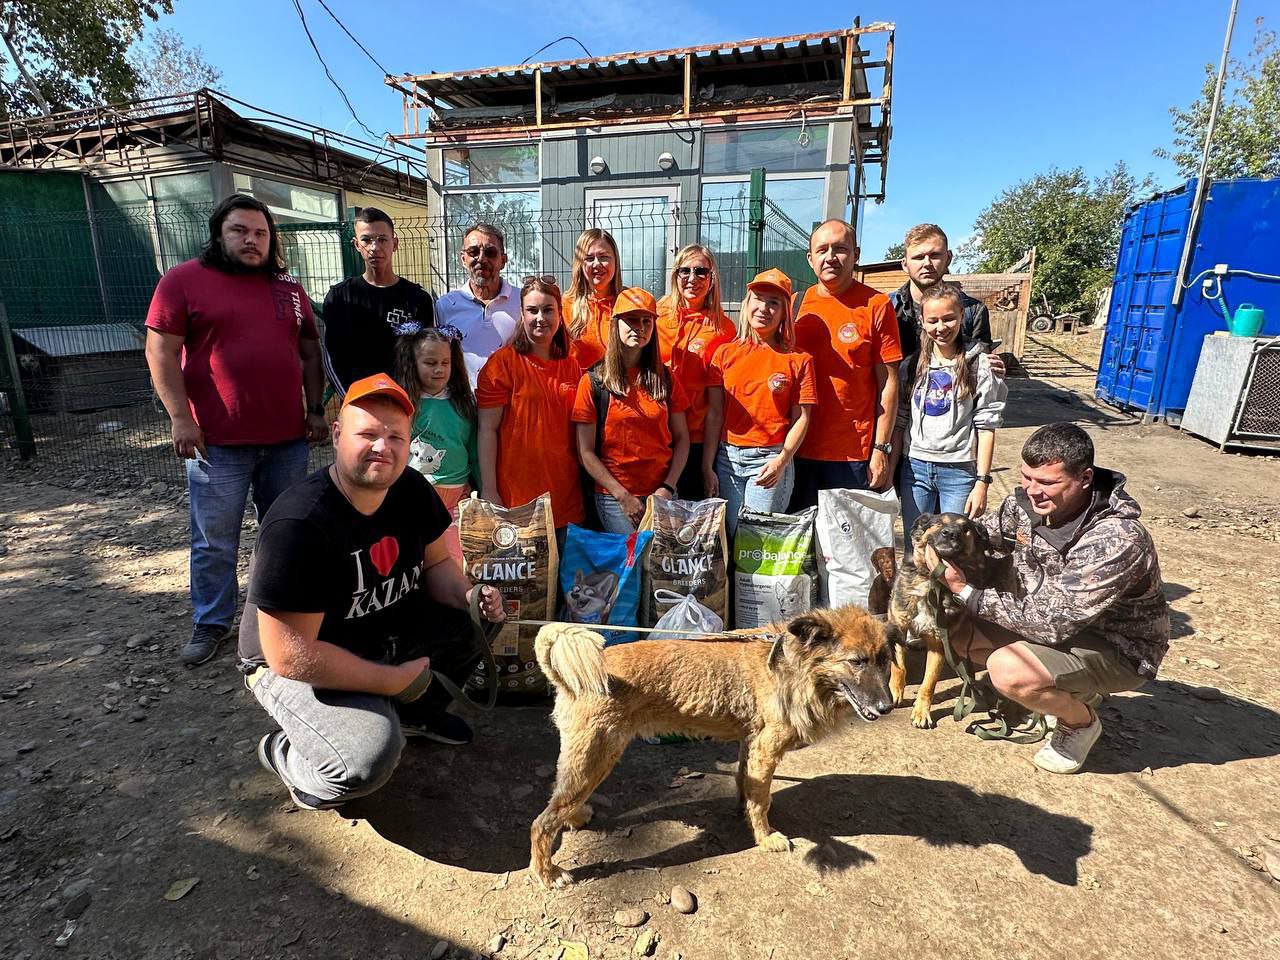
(797, 298)
(600, 397)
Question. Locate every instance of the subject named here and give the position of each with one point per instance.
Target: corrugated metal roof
(84, 339)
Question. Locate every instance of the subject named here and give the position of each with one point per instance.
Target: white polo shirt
(485, 327)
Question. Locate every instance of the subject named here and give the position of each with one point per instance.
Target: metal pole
(17, 398)
(1202, 182)
(755, 242)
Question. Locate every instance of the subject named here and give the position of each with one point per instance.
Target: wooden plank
(688, 84)
(673, 52)
(848, 67)
(537, 98)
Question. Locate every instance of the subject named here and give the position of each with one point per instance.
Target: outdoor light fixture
(666, 161)
(598, 165)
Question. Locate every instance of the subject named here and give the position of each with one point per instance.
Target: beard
(234, 264)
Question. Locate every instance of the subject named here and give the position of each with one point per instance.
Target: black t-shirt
(317, 554)
(362, 322)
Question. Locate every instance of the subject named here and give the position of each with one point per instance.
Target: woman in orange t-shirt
(594, 285)
(525, 392)
(691, 324)
(644, 440)
(762, 391)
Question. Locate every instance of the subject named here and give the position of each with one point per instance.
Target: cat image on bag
(425, 458)
(790, 602)
(591, 598)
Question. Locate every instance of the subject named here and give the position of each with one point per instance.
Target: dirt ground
(124, 774)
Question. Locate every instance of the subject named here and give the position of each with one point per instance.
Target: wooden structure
(1007, 295)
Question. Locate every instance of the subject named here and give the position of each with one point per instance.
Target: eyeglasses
(698, 272)
(545, 278)
(488, 252)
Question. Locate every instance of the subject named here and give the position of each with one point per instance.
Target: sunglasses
(698, 272)
(475, 253)
(544, 278)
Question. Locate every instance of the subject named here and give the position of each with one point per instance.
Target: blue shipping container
(1151, 348)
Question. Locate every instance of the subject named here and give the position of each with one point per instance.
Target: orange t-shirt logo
(778, 382)
(848, 333)
(695, 347)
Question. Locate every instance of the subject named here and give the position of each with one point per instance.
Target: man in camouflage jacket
(1086, 615)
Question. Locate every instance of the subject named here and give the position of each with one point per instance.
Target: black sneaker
(442, 728)
(203, 645)
(267, 757)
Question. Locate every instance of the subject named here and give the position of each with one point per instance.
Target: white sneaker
(1068, 748)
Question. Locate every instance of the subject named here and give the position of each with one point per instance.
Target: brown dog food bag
(513, 549)
(689, 555)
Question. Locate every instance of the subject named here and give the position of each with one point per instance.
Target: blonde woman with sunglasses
(691, 325)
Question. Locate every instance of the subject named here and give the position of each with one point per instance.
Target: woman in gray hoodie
(955, 406)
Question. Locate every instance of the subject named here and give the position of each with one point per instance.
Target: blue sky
(985, 93)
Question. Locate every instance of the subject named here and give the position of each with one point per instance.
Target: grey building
(658, 147)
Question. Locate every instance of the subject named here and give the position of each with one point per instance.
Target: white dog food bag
(775, 573)
(852, 525)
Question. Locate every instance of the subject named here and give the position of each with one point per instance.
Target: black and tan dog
(962, 543)
(770, 697)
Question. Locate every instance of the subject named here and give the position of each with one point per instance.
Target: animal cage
(1235, 397)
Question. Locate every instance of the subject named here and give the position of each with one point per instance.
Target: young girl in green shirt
(442, 444)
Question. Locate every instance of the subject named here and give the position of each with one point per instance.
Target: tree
(67, 55)
(166, 66)
(1073, 223)
(896, 252)
(1245, 138)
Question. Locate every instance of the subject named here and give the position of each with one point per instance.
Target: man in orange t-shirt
(850, 331)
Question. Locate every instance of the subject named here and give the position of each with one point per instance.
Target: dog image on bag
(963, 543)
(771, 692)
(592, 596)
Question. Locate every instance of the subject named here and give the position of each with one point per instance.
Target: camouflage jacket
(1105, 581)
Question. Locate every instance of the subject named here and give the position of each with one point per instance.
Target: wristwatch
(984, 478)
(316, 410)
(885, 448)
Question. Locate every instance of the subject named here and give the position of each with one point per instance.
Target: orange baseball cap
(635, 300)
(379, 385)
(773, 278)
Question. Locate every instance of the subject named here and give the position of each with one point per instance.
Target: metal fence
(76, 399)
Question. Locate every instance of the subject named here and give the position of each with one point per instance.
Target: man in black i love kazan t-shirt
(353, 601)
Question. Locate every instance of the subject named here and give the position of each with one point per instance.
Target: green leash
(973, 698)
(482, 632)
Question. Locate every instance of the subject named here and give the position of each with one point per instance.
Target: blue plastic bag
(600, 579)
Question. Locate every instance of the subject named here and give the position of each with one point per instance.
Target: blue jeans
(737, 469)
(815, 475)
(217, 489)
(612, 517)
(927, 487)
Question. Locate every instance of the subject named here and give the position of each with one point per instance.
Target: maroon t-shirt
(240, 356)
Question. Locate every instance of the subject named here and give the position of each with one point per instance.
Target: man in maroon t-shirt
(232, 346)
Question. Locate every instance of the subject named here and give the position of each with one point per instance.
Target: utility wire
(302, 17)
(334, 16)
(553, 43)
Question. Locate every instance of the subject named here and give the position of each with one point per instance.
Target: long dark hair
(652, 379)
(460, 393)
(520, 342)
(215, 256)
(966, 381)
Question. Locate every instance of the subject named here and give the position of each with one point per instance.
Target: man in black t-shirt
(353, 601)
(364, 315)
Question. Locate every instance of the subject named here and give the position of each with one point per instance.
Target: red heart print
(383, 554)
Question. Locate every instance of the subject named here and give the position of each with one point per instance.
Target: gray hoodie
(942, 429)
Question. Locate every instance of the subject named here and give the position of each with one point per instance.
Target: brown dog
(771, 697)
(961, 542)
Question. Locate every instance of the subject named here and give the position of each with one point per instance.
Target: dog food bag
(852, 525)
(601, 578)
(685, 616)
(775, 572)
(513, 549)
(689, 556)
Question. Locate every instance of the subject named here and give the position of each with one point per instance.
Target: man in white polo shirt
(486, 308)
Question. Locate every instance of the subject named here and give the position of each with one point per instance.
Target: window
(491, 166)
(183, 202)
(288, 202)
(777, 149)
(516, 212)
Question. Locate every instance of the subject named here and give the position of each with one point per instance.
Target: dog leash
(996, 724)
(482, 633)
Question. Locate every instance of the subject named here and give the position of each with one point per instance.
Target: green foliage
(1074, 224)
(1246, 137)
(896, 252)
(72, 51)
(166, 66)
